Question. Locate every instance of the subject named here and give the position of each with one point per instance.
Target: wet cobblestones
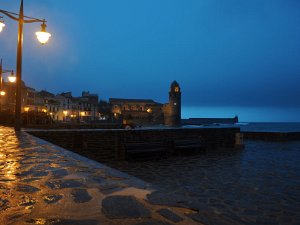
(41, 183)
(258, 185)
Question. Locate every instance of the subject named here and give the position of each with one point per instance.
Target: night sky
(230, 57)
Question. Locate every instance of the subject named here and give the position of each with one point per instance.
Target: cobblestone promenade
(41, 183)
(258, 185)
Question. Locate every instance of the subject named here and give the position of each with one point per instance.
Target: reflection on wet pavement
(41, 183)
(258, 185)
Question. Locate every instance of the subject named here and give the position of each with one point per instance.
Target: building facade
(8, 101)
(60, 107)
(137, 111)
(147, 111)
(64, 107)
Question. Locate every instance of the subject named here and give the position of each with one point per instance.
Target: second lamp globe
(12, 78)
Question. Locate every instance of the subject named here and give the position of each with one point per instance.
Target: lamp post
(42, 36)
(11, 79)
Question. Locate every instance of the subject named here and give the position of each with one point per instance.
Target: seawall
(104, 145)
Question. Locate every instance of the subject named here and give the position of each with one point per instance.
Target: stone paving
(258, 185)
(41, 183)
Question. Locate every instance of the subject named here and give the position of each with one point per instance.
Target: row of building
(86, 108)
(60, 107)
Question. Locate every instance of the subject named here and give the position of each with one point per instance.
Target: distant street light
(42, 36)
(2, 71)
(11, 78)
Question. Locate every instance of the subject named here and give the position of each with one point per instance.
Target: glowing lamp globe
(2, 93)
(12, 78)
(43, 36)
(2, 25)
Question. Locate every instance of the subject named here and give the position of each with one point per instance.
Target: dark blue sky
(223, 53)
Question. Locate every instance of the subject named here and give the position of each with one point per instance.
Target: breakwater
(105, 145)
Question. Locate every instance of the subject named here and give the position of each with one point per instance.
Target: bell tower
(173, 109)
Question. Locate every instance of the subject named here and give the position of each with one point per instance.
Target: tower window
(176, 89)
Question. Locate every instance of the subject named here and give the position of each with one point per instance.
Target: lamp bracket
(16, 17)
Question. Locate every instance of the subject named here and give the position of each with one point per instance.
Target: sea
(250, 114)
(270, 127)
(259, 184)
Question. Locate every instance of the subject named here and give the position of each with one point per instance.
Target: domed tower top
(175, 87)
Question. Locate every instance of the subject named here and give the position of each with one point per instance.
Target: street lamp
(2, 71)
(11, 78)
(42, 36)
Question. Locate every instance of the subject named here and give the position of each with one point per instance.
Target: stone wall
(103, 145)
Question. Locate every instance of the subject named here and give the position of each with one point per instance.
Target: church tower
(173, 109)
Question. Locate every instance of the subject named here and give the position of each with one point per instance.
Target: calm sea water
(270, 127)
(245, 114)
